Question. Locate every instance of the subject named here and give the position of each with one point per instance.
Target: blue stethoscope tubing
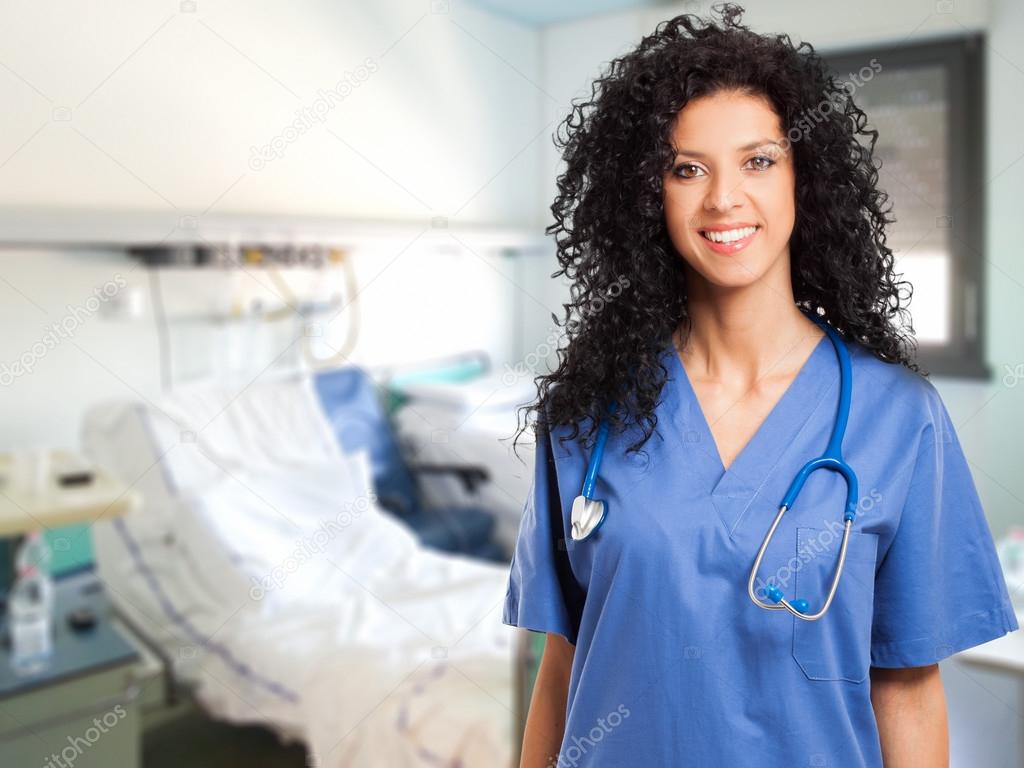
(589, 513)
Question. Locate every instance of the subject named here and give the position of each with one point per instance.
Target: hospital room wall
(409, 310)
(157, 112)
(989, 415)
(162, 110)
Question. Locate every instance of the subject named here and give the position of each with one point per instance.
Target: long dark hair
(628, 286)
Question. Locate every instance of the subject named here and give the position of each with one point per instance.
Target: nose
(724, 192)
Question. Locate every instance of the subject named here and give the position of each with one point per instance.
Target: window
(926, 102)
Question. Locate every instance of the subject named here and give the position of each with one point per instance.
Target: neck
(741, 336)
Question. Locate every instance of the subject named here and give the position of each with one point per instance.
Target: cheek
(783, 201)
(776, 204)
(781, 219)
(680, 234)
(679, 210)
(783, 198)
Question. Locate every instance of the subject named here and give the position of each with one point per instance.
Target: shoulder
(566, 442)
(893, 390)
(559, 438)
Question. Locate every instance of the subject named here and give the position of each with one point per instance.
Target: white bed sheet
(286, 597)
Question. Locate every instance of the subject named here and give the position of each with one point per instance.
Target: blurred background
(273, 280)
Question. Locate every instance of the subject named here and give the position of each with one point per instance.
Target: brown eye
(683, 168)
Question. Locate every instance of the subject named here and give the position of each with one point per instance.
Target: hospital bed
(349, 399)
(281, 589)
(467, 423)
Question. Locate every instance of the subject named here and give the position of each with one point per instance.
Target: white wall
(141, 105)
(156, 107)
(996, 413)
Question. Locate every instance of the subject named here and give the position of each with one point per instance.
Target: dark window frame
(962, 58)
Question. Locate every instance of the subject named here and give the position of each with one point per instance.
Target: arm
(545, 723)
(910, 708)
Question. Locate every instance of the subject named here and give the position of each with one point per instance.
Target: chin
(732, 278)
(729, 272)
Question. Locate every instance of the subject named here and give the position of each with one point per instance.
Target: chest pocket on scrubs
(838, 645)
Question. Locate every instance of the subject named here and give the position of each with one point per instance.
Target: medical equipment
(588, 513)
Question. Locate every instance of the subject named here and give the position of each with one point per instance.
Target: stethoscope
(589, 514)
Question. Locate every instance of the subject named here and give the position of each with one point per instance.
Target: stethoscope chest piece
(587, 516)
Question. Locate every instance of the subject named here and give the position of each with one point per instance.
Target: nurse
(715, 198)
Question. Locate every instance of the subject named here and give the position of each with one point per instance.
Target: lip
(727, 226)
(728, 248)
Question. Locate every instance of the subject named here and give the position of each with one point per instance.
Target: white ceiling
(540, 12)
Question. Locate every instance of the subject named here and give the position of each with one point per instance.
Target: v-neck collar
(762, 452)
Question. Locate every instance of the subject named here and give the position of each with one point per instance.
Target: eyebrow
(744, 148)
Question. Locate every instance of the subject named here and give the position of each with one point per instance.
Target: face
(733, 182)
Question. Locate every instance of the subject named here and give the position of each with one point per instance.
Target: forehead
(725, 122)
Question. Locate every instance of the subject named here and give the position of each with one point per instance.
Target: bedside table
(85, 709)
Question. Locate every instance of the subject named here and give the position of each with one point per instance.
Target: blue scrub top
(674, 665)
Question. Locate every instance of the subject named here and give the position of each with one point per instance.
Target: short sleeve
(939, 588)
(542, 593)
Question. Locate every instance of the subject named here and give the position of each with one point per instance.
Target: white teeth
(730, 235)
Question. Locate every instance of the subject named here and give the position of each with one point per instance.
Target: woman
(716, 200)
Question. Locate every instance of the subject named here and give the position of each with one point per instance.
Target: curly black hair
(628, 286)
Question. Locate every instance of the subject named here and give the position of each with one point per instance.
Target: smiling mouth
(729, 236)
(730, 242)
